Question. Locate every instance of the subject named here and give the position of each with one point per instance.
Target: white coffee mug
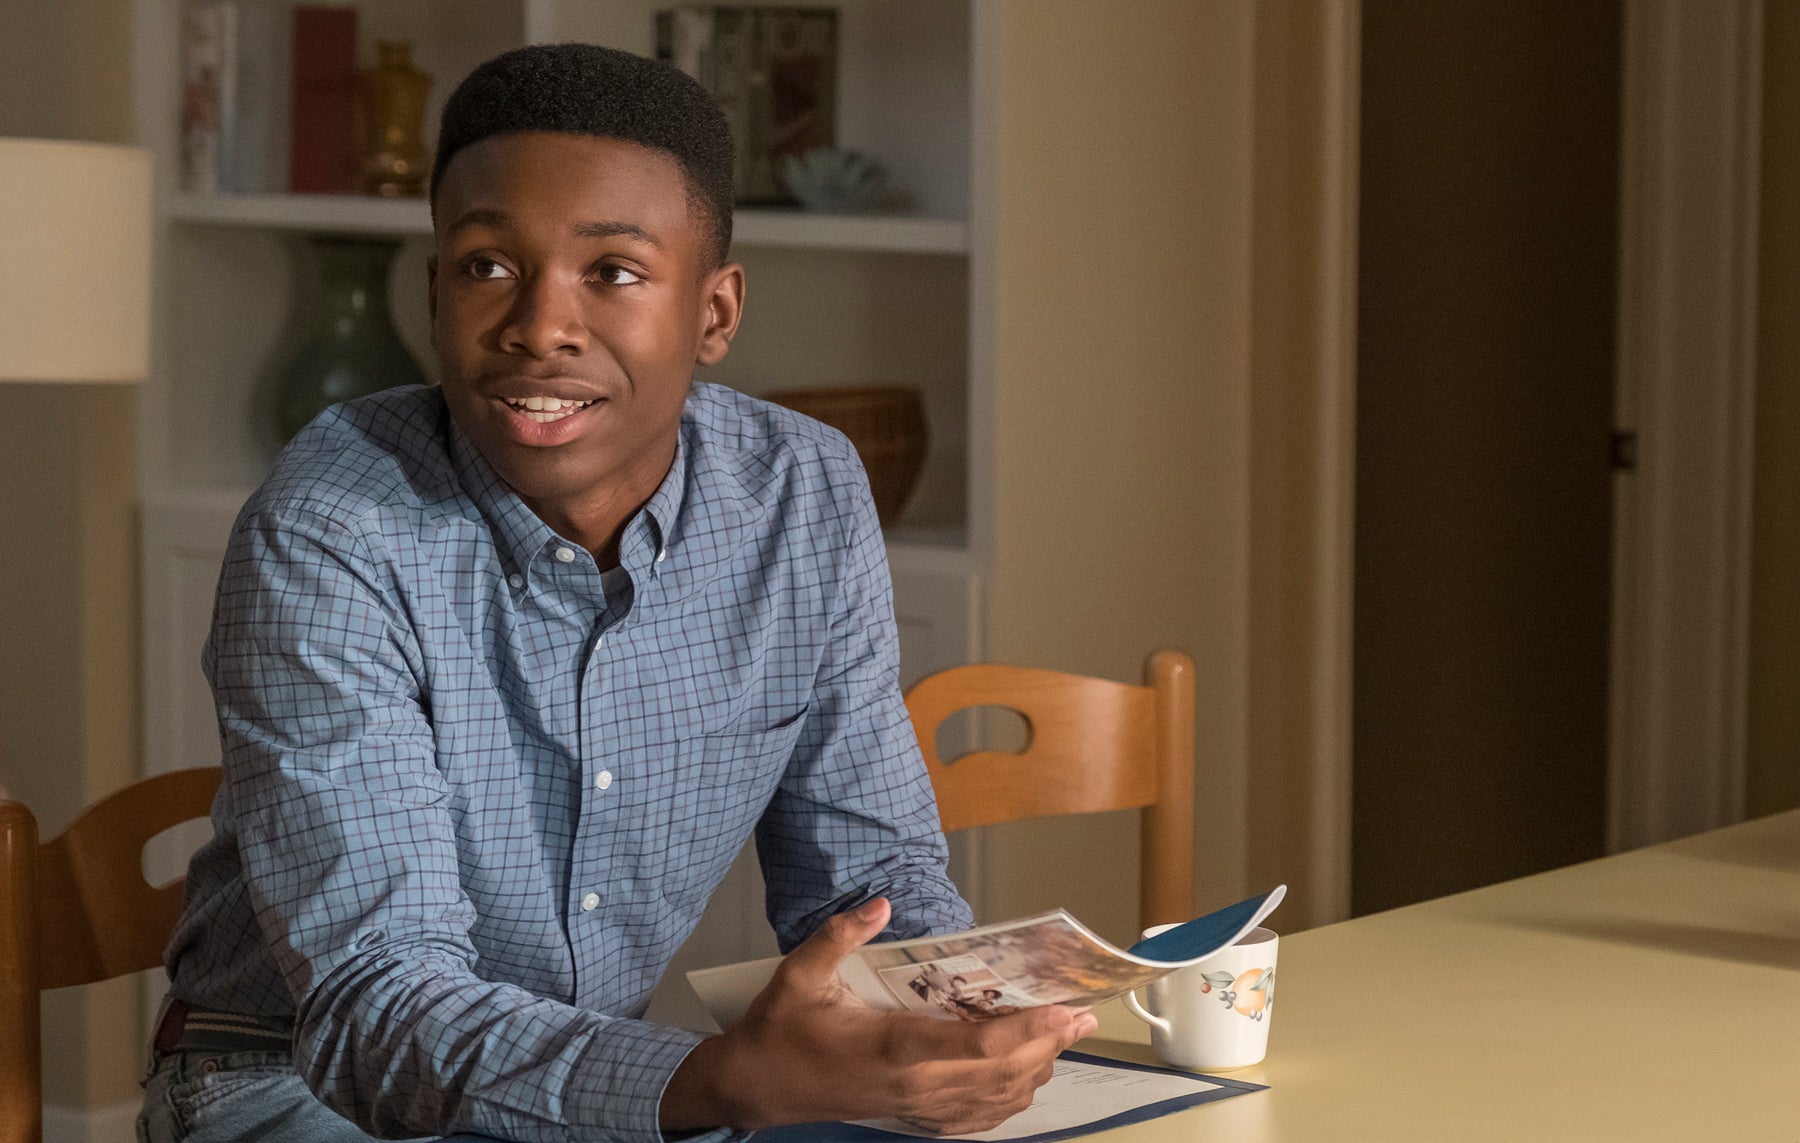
(1215, 1014)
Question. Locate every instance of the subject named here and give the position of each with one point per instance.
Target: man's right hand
(810, 1050)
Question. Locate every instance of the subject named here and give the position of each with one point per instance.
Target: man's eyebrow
(616, 229)
(479, 216)
(488, 216)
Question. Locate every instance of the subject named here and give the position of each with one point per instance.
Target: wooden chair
(76, 910)
(1094, 745)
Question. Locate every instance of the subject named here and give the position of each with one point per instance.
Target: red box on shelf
(322, 114)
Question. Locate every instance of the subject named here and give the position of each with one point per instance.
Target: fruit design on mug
(1248, 993)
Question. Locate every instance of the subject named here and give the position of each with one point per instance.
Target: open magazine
(1050, 958)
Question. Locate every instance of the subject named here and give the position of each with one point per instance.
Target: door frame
(1302, 512)
(1690, 155)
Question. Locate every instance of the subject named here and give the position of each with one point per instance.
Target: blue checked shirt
(474, 801)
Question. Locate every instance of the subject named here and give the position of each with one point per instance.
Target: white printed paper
(1078, 1094)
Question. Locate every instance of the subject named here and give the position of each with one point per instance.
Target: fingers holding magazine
(808, 1049)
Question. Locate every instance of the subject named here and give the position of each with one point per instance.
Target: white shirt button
(590, 902)
(516, 580)
(603, 779)
(599, 642)
(566, 555)
(662, 555)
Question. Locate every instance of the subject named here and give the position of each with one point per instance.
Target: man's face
(571, 295)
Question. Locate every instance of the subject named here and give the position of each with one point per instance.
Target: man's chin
(542, 477)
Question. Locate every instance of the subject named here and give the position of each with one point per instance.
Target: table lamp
(75, 232)
(75, 228)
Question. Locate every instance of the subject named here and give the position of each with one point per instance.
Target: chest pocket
(741, 757)
(720, 662)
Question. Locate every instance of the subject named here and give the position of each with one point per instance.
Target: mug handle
(1138, 1010)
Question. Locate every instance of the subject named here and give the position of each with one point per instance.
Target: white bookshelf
(833, 300)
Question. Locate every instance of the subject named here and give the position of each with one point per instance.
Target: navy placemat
(857, 1133)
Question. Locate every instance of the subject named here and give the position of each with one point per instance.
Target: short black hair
(585, 89)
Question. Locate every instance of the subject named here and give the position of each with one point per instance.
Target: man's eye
(486, 268)
(615, 275)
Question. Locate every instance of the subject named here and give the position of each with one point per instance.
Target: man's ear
(722, 307)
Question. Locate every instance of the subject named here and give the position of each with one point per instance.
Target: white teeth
(545, 409)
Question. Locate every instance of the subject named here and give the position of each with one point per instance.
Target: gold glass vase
(394, 162)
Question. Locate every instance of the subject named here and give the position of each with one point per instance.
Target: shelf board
(346, 213)
(893, 233)
(360, 214)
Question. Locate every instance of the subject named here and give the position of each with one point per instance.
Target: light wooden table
(1648, 996)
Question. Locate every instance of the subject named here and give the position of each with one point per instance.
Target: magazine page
(1050, 958)
(1188, 944)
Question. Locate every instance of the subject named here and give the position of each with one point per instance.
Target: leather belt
(184, 1028)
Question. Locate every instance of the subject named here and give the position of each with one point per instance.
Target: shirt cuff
(620, 1087)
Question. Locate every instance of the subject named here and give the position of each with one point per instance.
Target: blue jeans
(236, 1097)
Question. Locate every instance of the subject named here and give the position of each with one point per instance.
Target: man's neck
(596, 518)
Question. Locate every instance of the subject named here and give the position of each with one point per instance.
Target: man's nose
(546, 318)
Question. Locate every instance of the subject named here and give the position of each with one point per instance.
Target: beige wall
(1119, 200)
(68, 608)
(1773, 781)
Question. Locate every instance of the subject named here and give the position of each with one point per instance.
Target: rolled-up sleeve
(349, 850)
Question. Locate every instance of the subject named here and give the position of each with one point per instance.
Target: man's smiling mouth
(545, 410)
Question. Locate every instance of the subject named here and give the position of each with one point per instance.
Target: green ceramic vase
(349, 346)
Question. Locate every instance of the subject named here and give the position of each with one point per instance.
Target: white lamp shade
(75, 233)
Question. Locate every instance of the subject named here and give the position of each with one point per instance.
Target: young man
(508, 670)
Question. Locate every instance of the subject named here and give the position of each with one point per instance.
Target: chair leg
(21, 1075)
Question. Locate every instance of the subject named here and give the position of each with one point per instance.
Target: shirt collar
(523, 536)
(663, 508)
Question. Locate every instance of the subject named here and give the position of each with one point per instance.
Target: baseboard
(115, 1124)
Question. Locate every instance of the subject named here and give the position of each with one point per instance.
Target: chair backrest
(1093, 744)
(76, 910)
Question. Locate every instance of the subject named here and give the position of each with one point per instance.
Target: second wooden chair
(76, 910)
(1094, 745)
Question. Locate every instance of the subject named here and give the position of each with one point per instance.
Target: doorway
(1485, 386)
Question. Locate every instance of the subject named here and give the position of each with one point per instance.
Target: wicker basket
(886, 423)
